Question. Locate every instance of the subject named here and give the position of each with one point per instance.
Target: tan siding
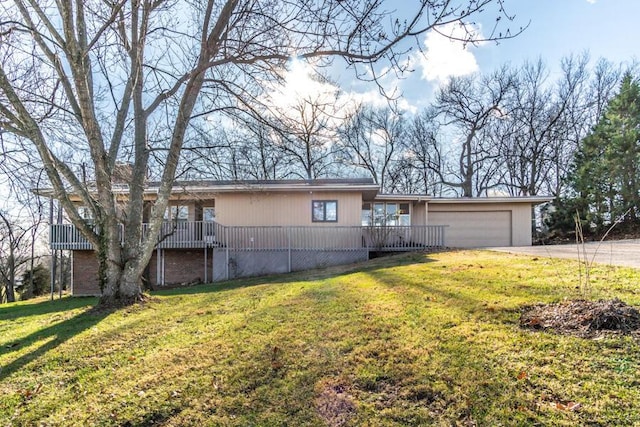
(418, 214)
(284, 208)
(521, 218)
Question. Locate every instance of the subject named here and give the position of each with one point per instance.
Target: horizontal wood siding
(284, 208)
(418, 214)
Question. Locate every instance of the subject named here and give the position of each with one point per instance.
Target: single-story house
(217, 230)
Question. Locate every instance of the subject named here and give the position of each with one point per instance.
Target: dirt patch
(334, 405)
(582, 318)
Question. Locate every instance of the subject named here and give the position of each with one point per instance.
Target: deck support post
(205, 262)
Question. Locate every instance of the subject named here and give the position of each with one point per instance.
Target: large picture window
(324, 211)
(385, 214)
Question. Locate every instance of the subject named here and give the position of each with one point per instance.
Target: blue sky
(607, 28)
(557, 28)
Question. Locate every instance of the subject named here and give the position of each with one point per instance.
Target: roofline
(273, 186)
(404, 197)
(524, 199)
(347, 184)
(262, 182)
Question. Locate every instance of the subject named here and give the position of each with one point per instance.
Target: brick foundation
(187, 266)
(181, 266)
(85, 273)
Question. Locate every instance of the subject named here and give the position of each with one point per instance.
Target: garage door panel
(468, 229)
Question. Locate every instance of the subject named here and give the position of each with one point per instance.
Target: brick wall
(85, 273)
(181, 266)
(186, 266)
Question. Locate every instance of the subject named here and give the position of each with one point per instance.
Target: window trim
(324, 210)
(380, 218)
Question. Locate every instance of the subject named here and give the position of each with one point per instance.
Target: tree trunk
(11, 296)
(131, 282)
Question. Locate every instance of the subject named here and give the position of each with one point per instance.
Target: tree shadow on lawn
(471, 304)
(37, 308)
(54, 335)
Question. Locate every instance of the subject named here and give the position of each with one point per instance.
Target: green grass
(406, 340)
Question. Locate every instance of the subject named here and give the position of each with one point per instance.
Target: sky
(556, 28)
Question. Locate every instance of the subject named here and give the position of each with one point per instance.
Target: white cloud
(375, 99)
(444, 57)
(301, 82)
(591, 1)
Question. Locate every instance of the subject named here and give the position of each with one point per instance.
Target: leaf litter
(582, 318)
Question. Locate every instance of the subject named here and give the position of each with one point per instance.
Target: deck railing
(186, 234)
(201, 234)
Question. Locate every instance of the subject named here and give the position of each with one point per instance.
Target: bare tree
(468, 105)
(22, 216)
(547, 120)
(371, 140)
(20, 231)
(123, 81)
(305, 132)
(255, 152)
(425, 151)
(532, 139)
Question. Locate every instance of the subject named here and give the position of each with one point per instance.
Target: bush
(560, 216)
(41, 280)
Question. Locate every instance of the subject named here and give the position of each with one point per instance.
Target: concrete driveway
(614, 252)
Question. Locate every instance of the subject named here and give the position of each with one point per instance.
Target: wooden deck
(200, 234)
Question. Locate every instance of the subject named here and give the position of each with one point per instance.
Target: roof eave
(527, 199)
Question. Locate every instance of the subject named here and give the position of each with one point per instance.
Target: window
(86, 214)
(177, 213)
(378, 214)
(404, 218)
(365, 217)
(389, 214)
(208, 214)
(209, 226)
(324, 211)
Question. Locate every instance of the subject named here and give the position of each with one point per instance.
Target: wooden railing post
(289, 248)
(227, 244)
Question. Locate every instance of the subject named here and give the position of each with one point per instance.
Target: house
(217, 230)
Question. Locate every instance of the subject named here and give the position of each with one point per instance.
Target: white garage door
(474, 229)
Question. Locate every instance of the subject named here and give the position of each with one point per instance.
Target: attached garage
(468, 229)
(484, 221)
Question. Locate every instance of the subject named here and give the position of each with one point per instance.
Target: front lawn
(412, 339)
